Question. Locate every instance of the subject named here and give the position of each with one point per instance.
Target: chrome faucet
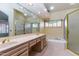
(5, 40)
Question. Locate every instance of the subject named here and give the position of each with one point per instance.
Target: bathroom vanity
(24, 45)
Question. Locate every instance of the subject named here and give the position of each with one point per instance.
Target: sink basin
(7, 44)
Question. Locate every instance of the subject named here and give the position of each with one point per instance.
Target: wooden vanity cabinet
(38, 40)
(16, 51)
(43, 42)
(25, 53)
(32, 43)
(40, 44)
(25, 48)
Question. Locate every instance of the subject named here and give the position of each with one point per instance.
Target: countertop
(19, 39)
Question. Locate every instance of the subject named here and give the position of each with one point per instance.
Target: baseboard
(74, 54)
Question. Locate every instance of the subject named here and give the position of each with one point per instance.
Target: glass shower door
(73, 35)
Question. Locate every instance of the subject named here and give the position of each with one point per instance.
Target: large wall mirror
(35, 27)
(25, 24)
(17, 23)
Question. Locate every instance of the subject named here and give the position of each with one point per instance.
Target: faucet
(5, 41)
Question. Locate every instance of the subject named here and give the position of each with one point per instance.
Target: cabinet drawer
(14, 50)
(25, 53)
(38, 40)
(33, 42)
(20, 51)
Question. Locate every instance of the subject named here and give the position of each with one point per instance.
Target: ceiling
(43, 9)
(60, 6)
(3, 16)
(38, 9)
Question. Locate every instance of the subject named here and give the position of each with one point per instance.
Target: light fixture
(21, 7)
(51, 8)
(39, 12)
(25, 14)
(45, 9)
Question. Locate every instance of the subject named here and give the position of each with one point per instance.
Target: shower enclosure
(72, 31)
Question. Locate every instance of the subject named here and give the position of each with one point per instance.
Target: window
(27, 25)
(41, 24)
(46, 24)
(3, 28)
(58, 23)
(50, 24)
(53, 23)
(35, 25)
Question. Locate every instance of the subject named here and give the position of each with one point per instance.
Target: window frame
(53, 21)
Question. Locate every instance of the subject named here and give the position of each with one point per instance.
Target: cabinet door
(18, 53)
(25, 53)
(32, 43)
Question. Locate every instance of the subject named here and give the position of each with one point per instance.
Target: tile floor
(55, 48)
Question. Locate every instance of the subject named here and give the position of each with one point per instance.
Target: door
(73, 36)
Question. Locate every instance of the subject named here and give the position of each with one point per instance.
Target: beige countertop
(19, 39)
